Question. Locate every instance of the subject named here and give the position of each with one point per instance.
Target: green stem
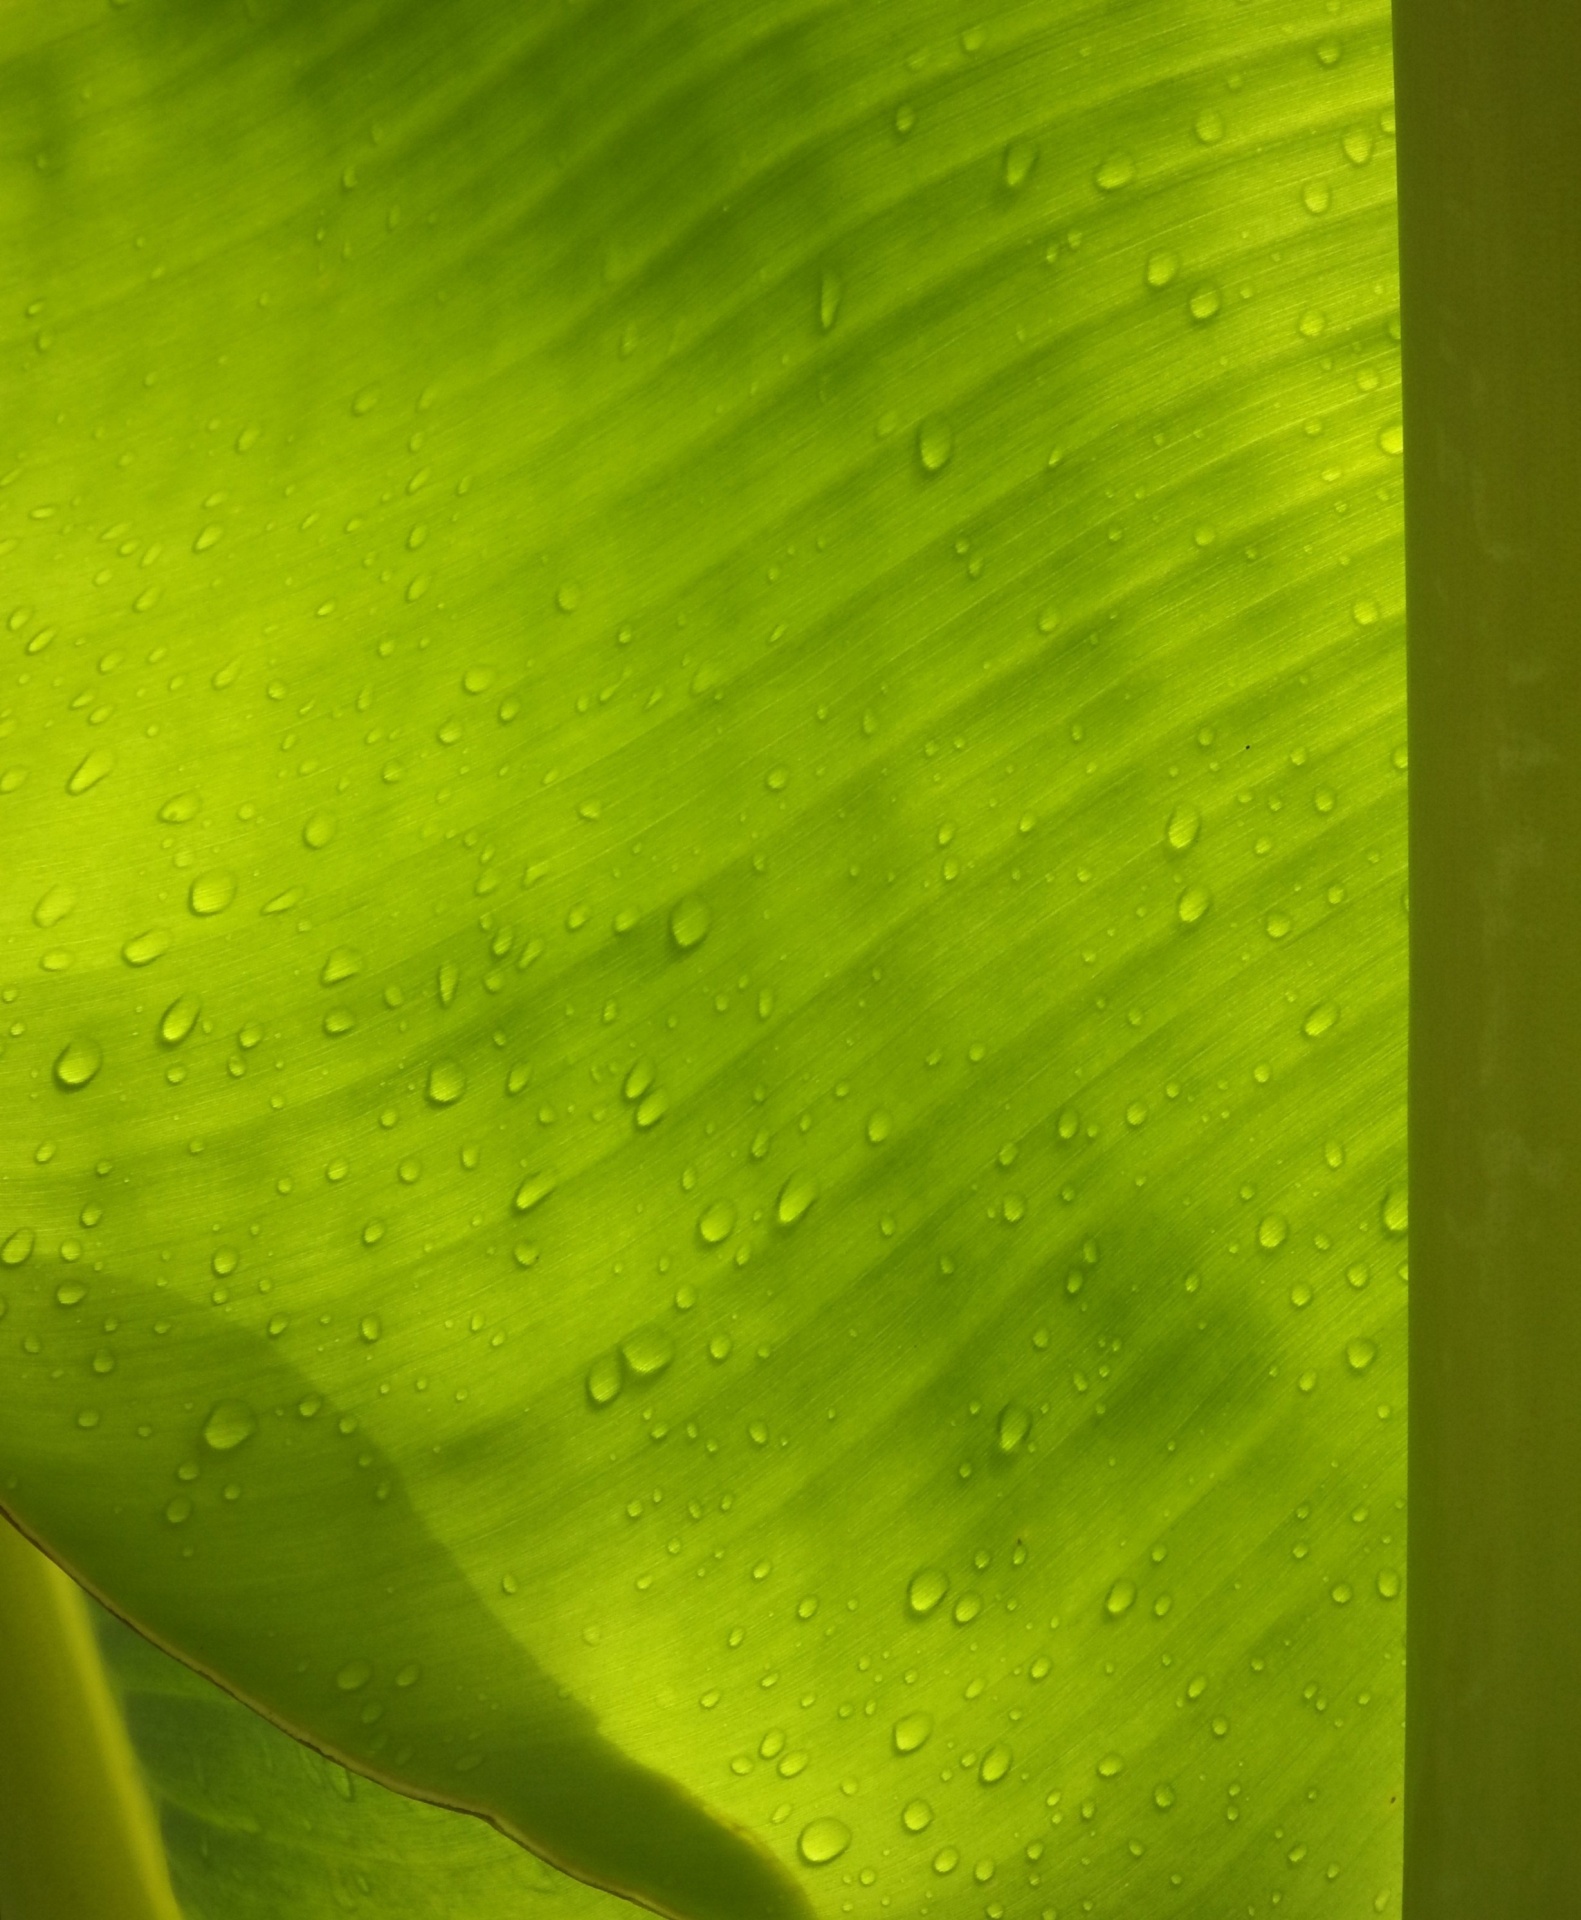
(1490, 160)
(77, 1835)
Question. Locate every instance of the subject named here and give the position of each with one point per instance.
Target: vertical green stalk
(1490, 173)
(78, 1839)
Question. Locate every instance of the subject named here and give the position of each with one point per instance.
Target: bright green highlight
(705, 962)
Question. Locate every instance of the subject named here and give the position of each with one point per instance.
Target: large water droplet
(926, 1590)
(1192, 905)
(1115, 170)
(995, 1764)
(90, 770)
(211, 892)
(823, 1840)
(143, 948)
(1396, 1211)
(446, 1084)
(648, 1351)
(912, 1731)
(1360, 1354)
(1121, 1598)
(1185, 822)
(796, 1196)
(1015, 1423)
(535, 1189)
(231, 1422)
(76, 1064)
(916, 1816)
(716, 1223)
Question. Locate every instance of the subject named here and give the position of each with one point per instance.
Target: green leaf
(704, 953)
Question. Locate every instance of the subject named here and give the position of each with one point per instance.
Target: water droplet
(71, 1293)
(180, 808)
(1209, 126)
(823, 1840)
(318, 829)
(652, 1109)
(535, 1189)
(1272, 1231)
(1360, 1354)
(638, 1080)
(879, 1126)
(231, 1422)
(90, 770)
(926, 1590)
(76, 1064)
(1392, 439)
(912, 1731)
(354, 1675)
(18, 1245)
(1021, 156)
(1358, 146)
(370, 1327)
(967, 1608)
(179, 1018)
(1163, 1796)
(1320, 1019)
(1110, 1765)
(145, 947)
(1183, 826)
(1193, 904)
(796, 1196)
(1116, 170)
(1396, 1211)
(1121, 1598)
(829, 291)
(211, 892)
(1315, 196)
(178, 1510)
(946, 1860)
(916, 1816)
(1162, 267)
(1277, 925)
(995, 1764)
(716, 1223)
(1388, 1584)
(689, 922)
(54, 906)
(604, 1379)
(446, 1084)
(1015, 1423)
(935, 443)
(648, 1351)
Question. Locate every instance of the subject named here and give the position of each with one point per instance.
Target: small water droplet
(1396, 1211)
(689, 922)
(829, 292)
(1115, 170)
(796, 1196)
(604, 1379)
(1110, 1765)
(71, 1293)
(648, 1351)
(1388, 1584)
(1021, 156)
(211, 892)
(180, 808)
(143, 948)
(230, 1423)
(823, 1840)
(879, 1126)
(967, 1608)
(446, 1084)
(1204, 303)
(912, 1731)
(1162, 267)
(1360, 1354)
(1015, 1423)
(179, 1018)
(935, 443)
(1320, 1019)
(638, 1080)
(995, 1764)
(1163, 1796)
(1209, 126)
(1193, 904)
(926, 1589)
(90, 770)
(534, 1190)
(318, 829)
(1272, 1231)
(916, 1816)
(354, 1675)
(946, 1860)
(1121, 1598)
(54, 906)
(18, 1245)
(1315, 196)
(716, 1223)
(1183, 826)
(76, 1064)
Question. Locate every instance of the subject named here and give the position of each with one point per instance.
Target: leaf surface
(704, 922)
